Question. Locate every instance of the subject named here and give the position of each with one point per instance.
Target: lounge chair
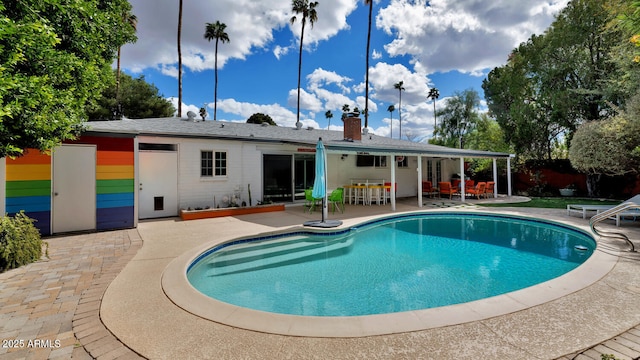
(584, 209)
(626, 214)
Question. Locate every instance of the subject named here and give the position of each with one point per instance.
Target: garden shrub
(20, 241)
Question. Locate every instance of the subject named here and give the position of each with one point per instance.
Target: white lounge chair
(584, 209)
(628, 213)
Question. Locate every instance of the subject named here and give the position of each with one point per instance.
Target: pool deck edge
(136, 303)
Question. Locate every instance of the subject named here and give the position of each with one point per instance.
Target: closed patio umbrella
(320, 188)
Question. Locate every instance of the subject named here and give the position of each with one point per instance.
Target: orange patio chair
(446, 189)
(469, 184)
(478, 190)
(488, 192)
(427, 188)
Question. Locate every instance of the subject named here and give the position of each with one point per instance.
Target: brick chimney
(352, 128)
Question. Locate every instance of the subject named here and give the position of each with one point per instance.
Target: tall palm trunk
(179, 62)
(366, 86)
(117, 114)
(215, 92)
(300, 70)
(400, 114)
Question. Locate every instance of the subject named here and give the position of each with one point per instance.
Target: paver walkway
(50, 309)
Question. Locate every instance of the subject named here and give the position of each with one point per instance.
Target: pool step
(257, 256)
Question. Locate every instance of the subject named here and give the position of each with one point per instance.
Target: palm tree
(308, 11)
(434, 94)
(328, 115)
(345, 110)
(391, 109)
(400, 88)
(179, 62)
(366, 81)
(132, 21)
(216, 31)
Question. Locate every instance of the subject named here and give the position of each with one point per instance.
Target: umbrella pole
(325, 211)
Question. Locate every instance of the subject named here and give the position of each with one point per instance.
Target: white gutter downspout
(419, 171)
(462, 180)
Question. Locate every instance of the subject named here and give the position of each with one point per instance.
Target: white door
(158, 187)
(74, 188)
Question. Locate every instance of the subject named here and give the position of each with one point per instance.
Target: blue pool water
(400, 264)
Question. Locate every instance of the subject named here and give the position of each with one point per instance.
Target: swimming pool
(398, 264)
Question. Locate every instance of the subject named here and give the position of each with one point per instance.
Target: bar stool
(376, 193)
(360, 193)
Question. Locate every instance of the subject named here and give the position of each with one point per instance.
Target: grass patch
(555, 203)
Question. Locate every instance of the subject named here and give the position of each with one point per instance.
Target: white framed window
(213, 163)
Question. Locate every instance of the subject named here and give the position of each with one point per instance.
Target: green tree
(458, 118)
(558, 80)
(216, 31)
(259, 118)
(138, 99)
(487, 135)
(400, 88)
(366, 81)
(53, 61)
(308, 11)
(608, 147)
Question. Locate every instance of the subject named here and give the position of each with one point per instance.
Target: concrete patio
(100, 295)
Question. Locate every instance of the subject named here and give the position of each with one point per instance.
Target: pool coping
(179, 291)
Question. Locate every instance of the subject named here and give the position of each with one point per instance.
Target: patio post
(509, 176)
(393, 182)
(495, 178)
(419, 171)
(462, 180)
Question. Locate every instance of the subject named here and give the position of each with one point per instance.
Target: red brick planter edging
(213, 213)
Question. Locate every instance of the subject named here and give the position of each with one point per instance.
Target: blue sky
(447, 44)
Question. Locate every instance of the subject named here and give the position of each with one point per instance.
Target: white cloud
(279, 51)
(282, 116)
(308, 101)
(320, 77)
(250, 26)
(464, 35)
(376, 55)
(185, 107)
(332, 17)
(384, 76)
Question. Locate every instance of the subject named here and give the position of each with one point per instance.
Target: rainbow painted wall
(28, 184)
(28, 188)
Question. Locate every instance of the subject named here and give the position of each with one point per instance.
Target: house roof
(333, 140)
